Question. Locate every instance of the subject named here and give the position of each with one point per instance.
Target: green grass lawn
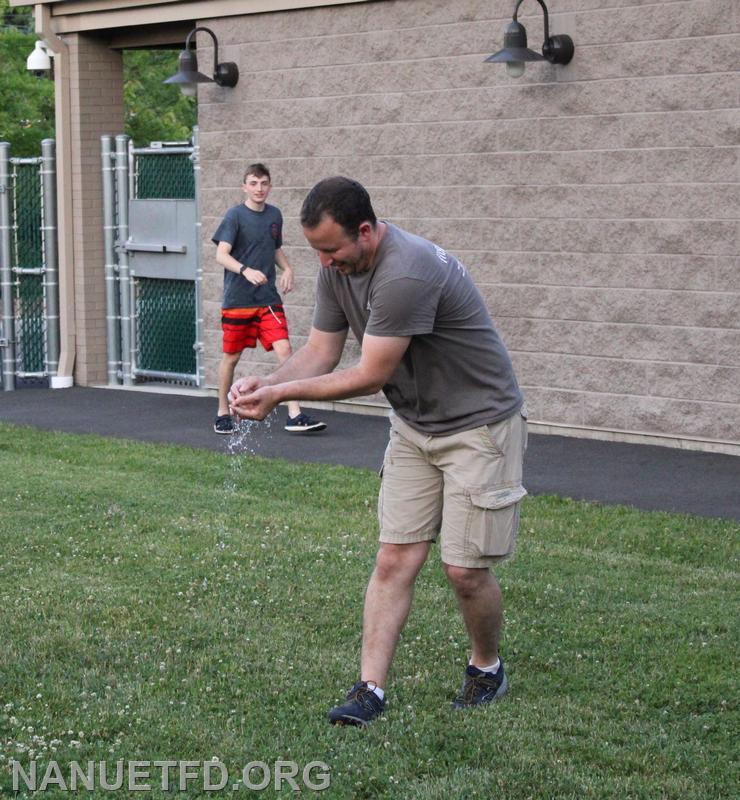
(163, 603)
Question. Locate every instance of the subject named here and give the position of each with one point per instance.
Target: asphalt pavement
(644, 476)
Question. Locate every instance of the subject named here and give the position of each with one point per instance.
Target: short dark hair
(346, 201)
(258, 170)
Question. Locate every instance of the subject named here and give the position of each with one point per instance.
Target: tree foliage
(153, 111)
(26, 102)
(20, 18)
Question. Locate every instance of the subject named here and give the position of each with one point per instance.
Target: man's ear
(364, 230)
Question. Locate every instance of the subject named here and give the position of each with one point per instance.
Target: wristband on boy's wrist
(242, 268)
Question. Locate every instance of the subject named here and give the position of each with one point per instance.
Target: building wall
(596, 205)
(96, 83)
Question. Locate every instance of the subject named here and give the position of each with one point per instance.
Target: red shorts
(243, 326)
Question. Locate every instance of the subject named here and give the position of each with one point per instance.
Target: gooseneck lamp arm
(215, 44)
(544, 11)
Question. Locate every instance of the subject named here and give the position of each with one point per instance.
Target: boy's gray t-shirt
(456, 373)
(254, 237)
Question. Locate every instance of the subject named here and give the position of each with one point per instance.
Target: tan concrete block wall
(597, 205)
(96, 81)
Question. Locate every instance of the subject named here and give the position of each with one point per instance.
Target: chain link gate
(153, 274)
(29, 339)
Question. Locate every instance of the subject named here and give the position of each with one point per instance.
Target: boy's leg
(284, 351)
(225, 379)
(239, 326)
(273, 334)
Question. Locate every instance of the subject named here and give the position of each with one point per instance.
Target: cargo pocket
(494, 520)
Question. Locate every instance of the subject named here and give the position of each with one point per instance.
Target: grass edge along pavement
(165, 603)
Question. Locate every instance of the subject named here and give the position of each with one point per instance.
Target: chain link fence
(165, 312)
(27, 257)
(164, 177)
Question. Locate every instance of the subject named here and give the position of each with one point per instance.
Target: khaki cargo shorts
(465, 488)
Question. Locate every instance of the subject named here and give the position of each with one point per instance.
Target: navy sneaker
(480, 687)
(361, 708)
(303, 424)
(224, 424)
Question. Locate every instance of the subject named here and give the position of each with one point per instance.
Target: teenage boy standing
(249, 245)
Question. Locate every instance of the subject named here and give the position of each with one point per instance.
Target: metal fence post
(6, 274)
(198, 345)
(112, 297)
(51, 263)
(124, 275)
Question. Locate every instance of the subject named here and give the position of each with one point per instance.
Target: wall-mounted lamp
(39, 62)
(187, 75)
(556, 49)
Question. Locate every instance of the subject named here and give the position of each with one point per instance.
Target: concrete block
(717, 384)
(679, 129)
(691, 164)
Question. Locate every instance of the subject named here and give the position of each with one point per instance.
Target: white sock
(493, 668)
(378, 691)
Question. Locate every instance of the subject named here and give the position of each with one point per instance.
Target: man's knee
(467, 581)
(400, 561)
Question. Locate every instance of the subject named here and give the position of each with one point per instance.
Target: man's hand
(245, 385)
(255, 277)
(285, 281)
(254, 405)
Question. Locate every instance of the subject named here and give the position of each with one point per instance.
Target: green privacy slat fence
(27, 253)
(166, 177)
(30, 324)
(26, 245)
(166, 325)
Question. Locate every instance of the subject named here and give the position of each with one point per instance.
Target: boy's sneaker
(481, 687)
(224, 424)
(361, 708)
(303, 424)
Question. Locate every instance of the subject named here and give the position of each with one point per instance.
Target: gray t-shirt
(456, 373)
(254, 237)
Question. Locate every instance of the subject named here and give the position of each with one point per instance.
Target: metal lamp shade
(515, 46)
(187, 70)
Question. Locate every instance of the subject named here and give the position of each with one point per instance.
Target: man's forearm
(379, 360)
(340, 385)
(307, 362)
